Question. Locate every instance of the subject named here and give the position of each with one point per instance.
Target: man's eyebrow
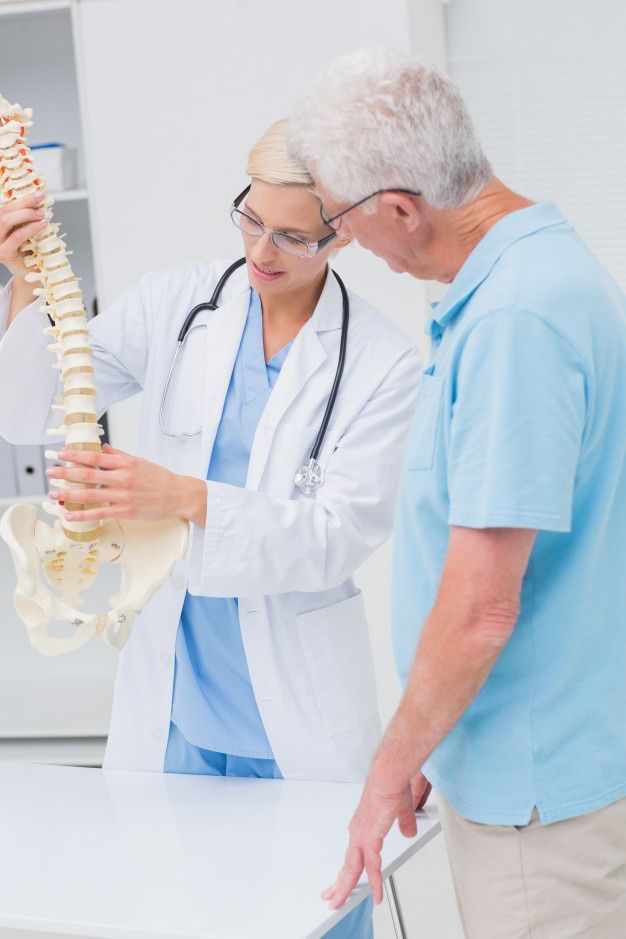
(287, 231)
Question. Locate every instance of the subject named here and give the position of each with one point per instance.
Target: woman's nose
(264, 249)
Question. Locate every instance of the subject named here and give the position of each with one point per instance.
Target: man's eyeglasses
(280, 239)
(334, 221)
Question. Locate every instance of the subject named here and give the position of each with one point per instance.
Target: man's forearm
(454, 657)
(471, 622)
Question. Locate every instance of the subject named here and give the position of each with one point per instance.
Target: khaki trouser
(559, 881)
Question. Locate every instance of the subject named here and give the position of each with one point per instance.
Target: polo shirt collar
(482, 259)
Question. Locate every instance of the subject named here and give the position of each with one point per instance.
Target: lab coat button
(177, 581)
(166, 658)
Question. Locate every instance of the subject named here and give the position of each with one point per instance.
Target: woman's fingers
(80, 474)
(15, 219)
(32, 200)
(91, 515)
(20, 219)
(11, 244)
(84, 496)
(105, 460)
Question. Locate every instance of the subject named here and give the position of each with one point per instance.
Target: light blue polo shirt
(521, 422)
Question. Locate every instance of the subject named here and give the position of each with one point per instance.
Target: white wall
(546, 85)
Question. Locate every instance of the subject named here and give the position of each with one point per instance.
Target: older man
(509, 608)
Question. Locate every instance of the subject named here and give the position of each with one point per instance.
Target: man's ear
(342, 241)
(403, 207)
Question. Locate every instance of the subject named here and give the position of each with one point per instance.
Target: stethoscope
(309, 477)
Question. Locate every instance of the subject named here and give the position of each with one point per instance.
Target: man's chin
(395, 266)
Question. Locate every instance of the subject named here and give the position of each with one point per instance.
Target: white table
(86, 852)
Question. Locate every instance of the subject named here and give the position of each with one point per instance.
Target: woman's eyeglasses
(297, 247)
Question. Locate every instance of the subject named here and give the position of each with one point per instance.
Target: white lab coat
(289, 558)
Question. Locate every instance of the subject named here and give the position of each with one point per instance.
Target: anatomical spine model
(66, 557)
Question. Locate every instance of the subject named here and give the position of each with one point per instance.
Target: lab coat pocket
(294, 442)
(420, 447)
(336, 645)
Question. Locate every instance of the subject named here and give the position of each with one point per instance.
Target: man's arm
(468, 627)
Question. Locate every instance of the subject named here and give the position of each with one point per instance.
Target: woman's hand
(20, 219)
(128, 486)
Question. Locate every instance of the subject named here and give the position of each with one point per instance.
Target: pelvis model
(55, 565)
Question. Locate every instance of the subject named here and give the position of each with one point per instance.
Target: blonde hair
(270, 161)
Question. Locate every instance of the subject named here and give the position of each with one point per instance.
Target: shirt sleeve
(518, 418)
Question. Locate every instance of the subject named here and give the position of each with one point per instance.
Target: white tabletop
(86, 852)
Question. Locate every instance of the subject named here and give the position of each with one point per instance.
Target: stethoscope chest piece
(309, 478)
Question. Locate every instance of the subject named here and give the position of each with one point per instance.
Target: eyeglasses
(298, 247)
(335, 221)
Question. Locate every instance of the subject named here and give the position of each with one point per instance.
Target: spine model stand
(54, 565)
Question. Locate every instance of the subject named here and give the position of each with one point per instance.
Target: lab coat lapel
(224, 328)
(305, 357)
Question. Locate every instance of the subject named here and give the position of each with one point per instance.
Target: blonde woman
(254, 659)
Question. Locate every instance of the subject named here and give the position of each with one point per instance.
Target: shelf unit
(13, 8)
(58, 709)
(69, 195)
(39, 69)
(66, 751)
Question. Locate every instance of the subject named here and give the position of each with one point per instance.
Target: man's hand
(420, 789)
(128, 486)
(377, 811)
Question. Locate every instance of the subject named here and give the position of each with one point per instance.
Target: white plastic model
(56, 564)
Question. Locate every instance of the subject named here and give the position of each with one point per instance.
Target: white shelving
(69, 751)
(51, 709)
(38, 69)
(32, 6)
(70, 195)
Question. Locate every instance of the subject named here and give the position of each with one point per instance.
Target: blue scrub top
(213, 703)
(521, 423)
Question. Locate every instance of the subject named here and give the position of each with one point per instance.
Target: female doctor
(254, 658)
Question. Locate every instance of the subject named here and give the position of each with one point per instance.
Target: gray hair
(382, 119)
